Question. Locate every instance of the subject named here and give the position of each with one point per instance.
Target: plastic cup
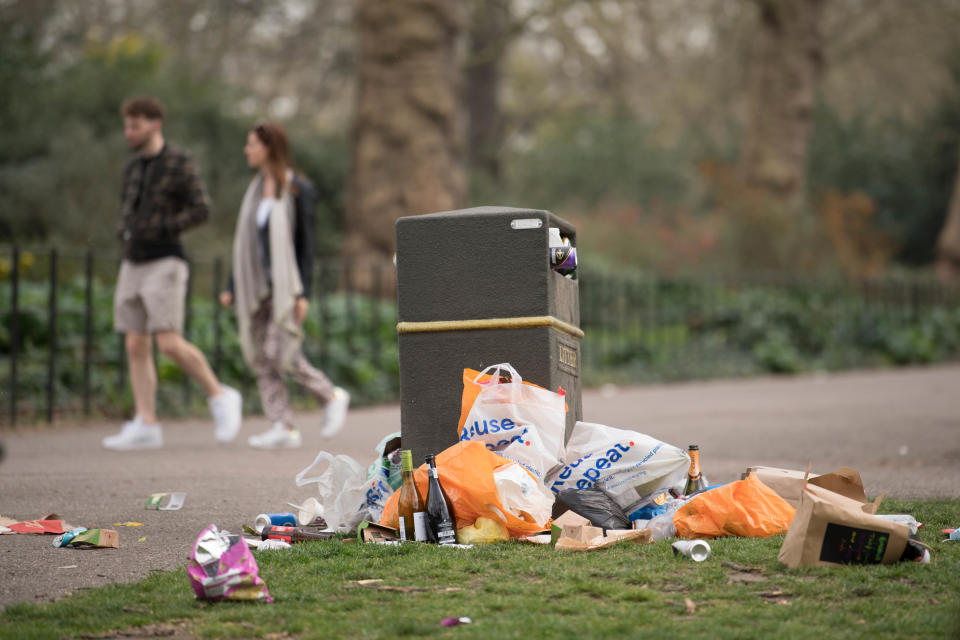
(696, 550)
(308, 512)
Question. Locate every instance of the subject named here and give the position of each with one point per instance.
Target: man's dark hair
(143, 106)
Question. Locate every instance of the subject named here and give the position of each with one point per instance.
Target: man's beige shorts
(150, 296)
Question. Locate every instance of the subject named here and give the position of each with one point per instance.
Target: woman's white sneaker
(134, 436)
(227, 411)
(277, 437)
(335, 413)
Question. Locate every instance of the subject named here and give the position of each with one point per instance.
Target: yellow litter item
(483, 531)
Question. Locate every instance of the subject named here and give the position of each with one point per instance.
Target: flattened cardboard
(39, 526)
(600, 541)
(833, 528)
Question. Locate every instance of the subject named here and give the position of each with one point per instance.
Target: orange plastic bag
(746, 508)
(466, 472)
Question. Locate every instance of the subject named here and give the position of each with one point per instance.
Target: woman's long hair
(274, 138)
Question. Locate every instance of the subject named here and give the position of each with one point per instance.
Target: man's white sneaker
(335, 413)
(135, 435)
(227, 410)
(277, 437)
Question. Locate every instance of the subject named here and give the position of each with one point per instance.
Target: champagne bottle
(413, 523)
(695, 480)
(440, 527)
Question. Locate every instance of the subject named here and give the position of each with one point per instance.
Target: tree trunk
(407, 139)
(948, 244)
(489, 38)
(788, 56)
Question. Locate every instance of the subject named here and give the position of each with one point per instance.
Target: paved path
(900, 428)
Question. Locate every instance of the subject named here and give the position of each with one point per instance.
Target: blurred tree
(490, 33)
(787, 61)
(407, 147)
(948, 244)
(62, 149)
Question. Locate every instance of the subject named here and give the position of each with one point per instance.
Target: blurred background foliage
(634, 119)
(624, 115)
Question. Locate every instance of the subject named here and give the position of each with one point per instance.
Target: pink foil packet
(222, 567)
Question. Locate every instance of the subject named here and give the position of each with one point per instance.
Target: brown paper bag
(788, 483)
(835, 525)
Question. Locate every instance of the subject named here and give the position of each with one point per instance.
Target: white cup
(308, 512)
(696, 550)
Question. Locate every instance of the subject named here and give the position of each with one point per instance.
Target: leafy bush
(638, 328)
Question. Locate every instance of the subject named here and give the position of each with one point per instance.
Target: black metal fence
(60, 356)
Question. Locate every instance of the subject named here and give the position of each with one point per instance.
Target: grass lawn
(514, 590)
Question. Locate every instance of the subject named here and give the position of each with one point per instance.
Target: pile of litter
(511, 476)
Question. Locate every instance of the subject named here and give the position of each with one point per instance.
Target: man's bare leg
(190, 359)
(143, 376)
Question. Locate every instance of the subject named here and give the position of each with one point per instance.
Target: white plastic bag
(630, 466)
(520, 493)
(347, 494)
(520, 422)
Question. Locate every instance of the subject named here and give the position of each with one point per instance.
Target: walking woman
(270, 287)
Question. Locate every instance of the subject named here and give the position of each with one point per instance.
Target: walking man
(162, 197)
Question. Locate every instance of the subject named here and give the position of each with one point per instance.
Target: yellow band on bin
(526, 322)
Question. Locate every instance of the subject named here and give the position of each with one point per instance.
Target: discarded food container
(696, 550)
(278, 519)
(476, 287)
(174, 503)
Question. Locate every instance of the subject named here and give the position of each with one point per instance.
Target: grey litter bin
(475, 288)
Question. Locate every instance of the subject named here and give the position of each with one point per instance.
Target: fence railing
(59, 355)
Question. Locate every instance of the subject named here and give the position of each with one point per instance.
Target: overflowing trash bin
(477, 287)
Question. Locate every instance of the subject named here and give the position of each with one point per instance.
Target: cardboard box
(377, 533)
(572, 532)
(567, 518)
(835, 525)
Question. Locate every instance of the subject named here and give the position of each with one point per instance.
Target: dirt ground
(899, 428)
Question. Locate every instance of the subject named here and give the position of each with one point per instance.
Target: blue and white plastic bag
(629, 466)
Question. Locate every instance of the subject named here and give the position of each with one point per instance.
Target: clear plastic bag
(347, 493)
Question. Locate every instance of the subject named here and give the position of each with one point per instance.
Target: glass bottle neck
(694, 463)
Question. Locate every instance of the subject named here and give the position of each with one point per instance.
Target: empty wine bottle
(695, 480)
(440, 527)
(413, 519)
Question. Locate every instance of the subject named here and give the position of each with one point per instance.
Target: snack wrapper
(223, 568)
